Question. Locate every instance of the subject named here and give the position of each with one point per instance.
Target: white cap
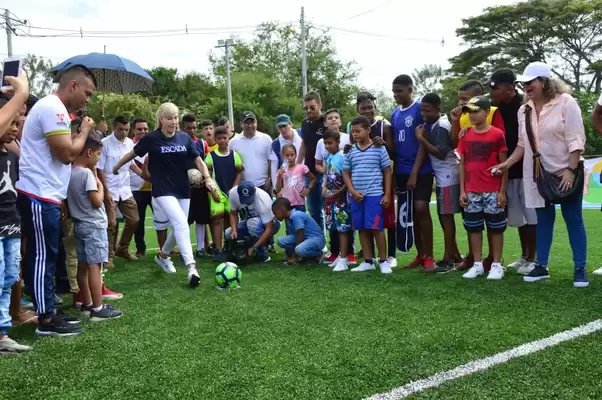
(535, 70)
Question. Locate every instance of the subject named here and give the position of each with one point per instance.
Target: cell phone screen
(11, 68)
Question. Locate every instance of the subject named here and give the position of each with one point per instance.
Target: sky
(384, 37)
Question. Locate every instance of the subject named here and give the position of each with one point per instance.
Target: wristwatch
(573, 170)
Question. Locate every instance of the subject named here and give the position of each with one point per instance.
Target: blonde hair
(164, 110)
(554, 86)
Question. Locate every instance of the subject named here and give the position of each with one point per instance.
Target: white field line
(488, 362)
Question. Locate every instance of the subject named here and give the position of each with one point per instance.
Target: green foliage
(37, 70)
(110, 105)
(427, 79)
(587, 102)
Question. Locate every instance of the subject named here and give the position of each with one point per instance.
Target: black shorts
(199, 206)
(424, 186)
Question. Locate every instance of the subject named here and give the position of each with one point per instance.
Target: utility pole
(303, 54)
(9, 33)
(226, 45)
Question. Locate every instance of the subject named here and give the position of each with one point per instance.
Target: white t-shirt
(600, 100)
(321, 152)
(112, 151)
(261, 207)
(41, 175)
(446, 170)
(136, 182)
(254, 153)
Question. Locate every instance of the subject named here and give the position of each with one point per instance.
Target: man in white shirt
(114, 147)
(141, 189)
(288, 135)
(47, 151)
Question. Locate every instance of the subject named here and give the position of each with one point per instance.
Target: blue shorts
(91, 243)
(367, 215)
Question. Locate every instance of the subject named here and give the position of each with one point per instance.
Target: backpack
(238, 250)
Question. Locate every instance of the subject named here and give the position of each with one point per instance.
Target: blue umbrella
(113, 74)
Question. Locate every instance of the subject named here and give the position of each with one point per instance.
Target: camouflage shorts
(483, 203)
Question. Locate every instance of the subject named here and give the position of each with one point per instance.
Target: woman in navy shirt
(169, 152)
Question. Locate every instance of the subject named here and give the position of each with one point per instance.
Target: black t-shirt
(509, 113)
(168, 160)
(10, 221)
(312, 132)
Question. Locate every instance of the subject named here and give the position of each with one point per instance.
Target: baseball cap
(502, 75)
(248, 115)
(477, 103)
(535, 70)
(246, 192)
(283, 120)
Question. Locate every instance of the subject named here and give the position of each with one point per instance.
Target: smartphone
(11, 67)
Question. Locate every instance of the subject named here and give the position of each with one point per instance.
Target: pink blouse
(558, 132)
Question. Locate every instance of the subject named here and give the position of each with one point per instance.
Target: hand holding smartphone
(12, 66)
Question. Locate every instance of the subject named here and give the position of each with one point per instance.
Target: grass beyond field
(305, 333)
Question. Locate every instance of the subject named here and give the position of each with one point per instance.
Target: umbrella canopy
(113, 73)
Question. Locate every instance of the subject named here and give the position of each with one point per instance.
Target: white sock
(200, 237)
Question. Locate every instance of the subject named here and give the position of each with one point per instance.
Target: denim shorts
(91, 243)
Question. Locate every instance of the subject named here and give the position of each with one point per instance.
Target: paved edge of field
(483, 364)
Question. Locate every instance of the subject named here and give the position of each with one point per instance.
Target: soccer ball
(195, 177)
(228, 276)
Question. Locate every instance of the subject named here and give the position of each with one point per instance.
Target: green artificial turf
(307, 333)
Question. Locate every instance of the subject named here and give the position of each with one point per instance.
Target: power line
(365, 12)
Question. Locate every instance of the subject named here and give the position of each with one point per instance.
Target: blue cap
(246, 192)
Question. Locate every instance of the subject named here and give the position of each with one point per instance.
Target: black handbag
(548, 183)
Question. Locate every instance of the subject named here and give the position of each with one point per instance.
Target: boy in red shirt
(482, 191)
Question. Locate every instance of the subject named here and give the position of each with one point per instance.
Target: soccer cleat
(474, 271)
(496, 272)
(580, 278)
(443, 267)
(392, 261)
(518, 263)
(385, 268)
(105, 314)
(539, 273)
(8, 345)
(108, 294)
(429, 264)
(364, 267)
(193, 277)
(57, 327)
(341, 265)
(352, 259)
(331, 260)
(416, 263)
(598, 272)
(166, 264)
(526, 268)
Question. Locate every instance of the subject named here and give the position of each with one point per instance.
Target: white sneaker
(496, 272)
(597, 272)
(526, 268)
(518, 263)
(335, 262)
(341, 265)
(193, 276)
(166, 264)
(364, 266)
(385, 268)
(392, 261)
(474, 271)
(10, 346)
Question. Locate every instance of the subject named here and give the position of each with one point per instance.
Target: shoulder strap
(537, 167)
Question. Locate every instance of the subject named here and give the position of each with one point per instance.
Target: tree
(191, 88)
(37, 70)
(565, 33)
(129, 105)
(427, 79)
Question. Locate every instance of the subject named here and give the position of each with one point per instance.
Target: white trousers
(176, 211)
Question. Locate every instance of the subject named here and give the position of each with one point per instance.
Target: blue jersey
(403, 124)
(168, 161)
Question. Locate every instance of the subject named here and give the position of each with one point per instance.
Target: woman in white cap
(551, 128)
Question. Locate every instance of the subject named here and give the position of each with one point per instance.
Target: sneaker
(125, 254)
(77, 300)
(537, 274)
(331, 260)
(392, 261)
(10, 346)
(341, 265)
(108, 294)
(166, 264)
(105, 314)
(443, 267)
(193, 277)
(58, 327)
(218, 256)
(272, 249)
(201, 253)
(580, 278)
(416, 263)
(364, 266)
(598, 272)
(28, 305)
(487, 263)
(352, 259)
(526, 268)
(385, 268)
(465, 265)
(496, 272)
(211, 249)
(70, 319)
(474, 271)
(429, 264)
(518, 263)
(334, 263)
(265, 259)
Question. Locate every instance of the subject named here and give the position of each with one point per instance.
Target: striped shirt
(366, 169)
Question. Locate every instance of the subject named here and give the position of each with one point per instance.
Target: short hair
(332, 111)
(288, 146)
(73, 74)
(362, 121)
(206, 123)
(92, 143)
(220, 130)
(313, 95)
(403, 80)
(138, 121)
(31, 101)
(282, 202)
(188, 118)
(120, 119)
(472, 84)
(222, 121)
(433, 99)
(332, 134)
(363, 97)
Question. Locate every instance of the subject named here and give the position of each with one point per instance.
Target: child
(434, 136)
(291, 179)
(363, 170)
(10, 235)
(86, 207)
(304, 238)
(226, 168)
(482, 192)
(209, 135)
(338, 217)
